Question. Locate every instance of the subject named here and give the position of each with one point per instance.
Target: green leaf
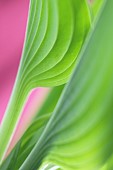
(11, 161)
(79, 133)
(96, 5)
(30, 137)
(51, 101)
(53, 41)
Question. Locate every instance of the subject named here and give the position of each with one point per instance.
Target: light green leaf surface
(96, 5)
(36, 128)
(79, 135)
(55, 34)
(30, 137)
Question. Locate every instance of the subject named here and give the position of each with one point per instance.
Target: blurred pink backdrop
(13, 18)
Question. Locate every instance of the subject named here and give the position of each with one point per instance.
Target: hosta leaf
(96, 5)
(11, 161)
(79, 133)
(53, 40)
(30, 137)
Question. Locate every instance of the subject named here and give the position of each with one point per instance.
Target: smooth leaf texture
(79, 133)
(53, 41)
(30, 137)
(96, 5)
